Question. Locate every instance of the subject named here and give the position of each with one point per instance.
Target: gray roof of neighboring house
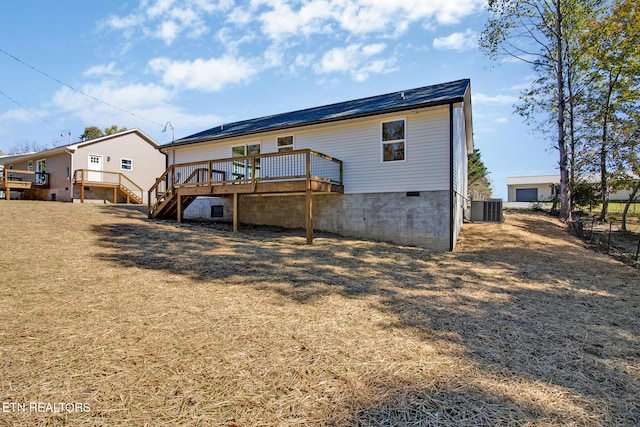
(439, 94)
(533, 180)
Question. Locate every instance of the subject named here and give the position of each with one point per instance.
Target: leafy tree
(539, 33)
(585, 194)
(91, 132)
(629, 155)
(478, 176)
(612, 45)
(113, 129)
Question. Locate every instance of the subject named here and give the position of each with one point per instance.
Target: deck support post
(179, 207)
(7, 189)
(308, 221)
(235, 212)
(115, 195)
(82, 187)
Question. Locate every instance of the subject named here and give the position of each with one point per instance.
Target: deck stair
(120, 183)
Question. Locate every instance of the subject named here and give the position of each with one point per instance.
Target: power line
(74, 89)
(33, 113)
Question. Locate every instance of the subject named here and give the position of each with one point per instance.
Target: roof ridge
(437, 94)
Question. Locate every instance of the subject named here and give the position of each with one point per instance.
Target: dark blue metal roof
(439, 94)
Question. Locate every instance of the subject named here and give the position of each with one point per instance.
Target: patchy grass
(156, 323)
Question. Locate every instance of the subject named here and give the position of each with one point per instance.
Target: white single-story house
(115, 168)
(391, 167)
(524, 190)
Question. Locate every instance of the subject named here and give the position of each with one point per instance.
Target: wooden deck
(119, 182)
(304, 172)
(21, 180)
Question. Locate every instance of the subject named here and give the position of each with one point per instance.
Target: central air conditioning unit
(487, 211)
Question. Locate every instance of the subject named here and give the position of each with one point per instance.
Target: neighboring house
(391, 167)
(115, 168)
(522, 190)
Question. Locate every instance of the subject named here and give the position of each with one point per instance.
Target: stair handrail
(153, 200)
(137, 191)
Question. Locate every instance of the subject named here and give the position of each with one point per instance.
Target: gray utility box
(487, 211)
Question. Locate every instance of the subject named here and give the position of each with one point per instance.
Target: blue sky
(201, 63)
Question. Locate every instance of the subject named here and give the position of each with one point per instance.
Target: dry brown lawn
(148, 323)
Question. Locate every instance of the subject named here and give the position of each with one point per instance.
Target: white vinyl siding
(147, 162)
(357, 143)
(460, 161)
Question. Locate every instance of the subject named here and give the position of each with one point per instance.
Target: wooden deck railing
(297, 165)
(16, 176)
(86, 177)
(19, 180)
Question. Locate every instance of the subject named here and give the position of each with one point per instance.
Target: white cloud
(457, 41)
(207, 75)
(157, 8)
(22, 115)
(127, 97)
(355, 59)
(102, 70)
(168, 19)
(363, 29)
(302, 61)
(338, 59)
(281, 18)
(481, 98)
(281, 21)
(126, 22)
(131, 105)
(168, 31)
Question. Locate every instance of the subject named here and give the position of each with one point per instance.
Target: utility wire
(74, 89)
(31, 112)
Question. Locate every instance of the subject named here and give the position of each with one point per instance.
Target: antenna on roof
(68, 132)
(173, 138)
(402, 94)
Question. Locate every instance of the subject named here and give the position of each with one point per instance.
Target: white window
(30, 165)
(393, 141)
(126, 164)
(242, 168)
(285, 143)
(41, 171)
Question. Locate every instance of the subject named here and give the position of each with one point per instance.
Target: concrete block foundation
(414, 219)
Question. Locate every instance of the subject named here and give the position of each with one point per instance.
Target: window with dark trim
(126, 164)
(393, 141)
(285, 143)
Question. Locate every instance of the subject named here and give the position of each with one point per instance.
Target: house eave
(185, 142)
